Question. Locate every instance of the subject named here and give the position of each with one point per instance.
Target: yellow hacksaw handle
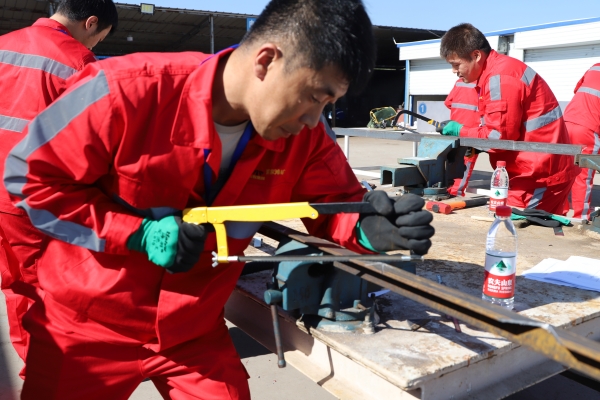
(249, 213)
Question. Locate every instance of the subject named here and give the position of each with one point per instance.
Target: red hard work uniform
(129, 139)
(462, 102)
(582, 117)
(515, 103)
(34, 65)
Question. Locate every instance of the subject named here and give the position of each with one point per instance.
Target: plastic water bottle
(501, 260)
(498, 187)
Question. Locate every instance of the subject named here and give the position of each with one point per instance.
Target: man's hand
(452, 128)
(399, 225)
(170, 243)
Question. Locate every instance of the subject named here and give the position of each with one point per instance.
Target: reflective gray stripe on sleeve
(588, 90)
(47, 125)
(464, 106)
(538, 194)
(528, 76)
(543, 120)
(595, 69)
(589, 182)
(467, 85)
(495, 91)
(12, 123)
(66, 231)
(494, 134)
(36, 62)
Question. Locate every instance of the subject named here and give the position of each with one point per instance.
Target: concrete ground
(268, 382)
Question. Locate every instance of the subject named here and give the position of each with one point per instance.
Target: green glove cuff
(516, 217)
(363, 240)
(561, 219)
(452, 129)
(158, 239)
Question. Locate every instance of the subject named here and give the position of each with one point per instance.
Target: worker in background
(35, 63)
(462, 102)
(514, 103)
(129, 290)
(582, 118)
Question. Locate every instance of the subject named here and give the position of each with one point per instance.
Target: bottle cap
(501, 164)
(503, 211)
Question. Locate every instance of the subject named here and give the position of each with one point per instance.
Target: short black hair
(79, 10)
(322, 33)
(463, 40)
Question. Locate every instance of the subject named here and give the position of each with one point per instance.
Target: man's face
(468, 70)
(288, 99)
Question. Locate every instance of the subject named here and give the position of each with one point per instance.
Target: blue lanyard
(237, 153)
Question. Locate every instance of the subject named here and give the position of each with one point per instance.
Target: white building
(560, 53)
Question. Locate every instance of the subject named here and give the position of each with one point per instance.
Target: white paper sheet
(576, 271)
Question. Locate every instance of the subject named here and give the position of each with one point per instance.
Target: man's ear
(476, 55)
(91, 22)
(266, 54)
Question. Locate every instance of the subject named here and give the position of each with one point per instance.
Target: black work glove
(170, 243)
(399, 225)
(541, 217)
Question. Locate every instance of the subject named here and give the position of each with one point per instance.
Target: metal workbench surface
(436, 362)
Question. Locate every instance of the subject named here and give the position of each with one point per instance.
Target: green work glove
(400, 224)
(170, 243)
(539, 217)
(452, 128)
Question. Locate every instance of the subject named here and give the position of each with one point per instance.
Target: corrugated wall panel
(560, 36)
(562, 67)
(430, 77)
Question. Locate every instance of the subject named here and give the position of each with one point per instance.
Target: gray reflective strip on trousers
(66, 231)
(494, 134)
(12, 123)
(536, 198)
(543, 120)
(588, 181)
(495, 91)
(47, 125)
(595, 69)
(528, 76)
(464, 106)
(465, 179)
(467, 85)
(36, 62)
(588, 90)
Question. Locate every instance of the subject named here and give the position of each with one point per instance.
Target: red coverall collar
(487, 67)
(50, 23)
(194, 126)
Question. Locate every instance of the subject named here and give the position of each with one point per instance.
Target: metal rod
(212, 34)
(328, 258)
(560, 345)
(347, 147)
(277, 334)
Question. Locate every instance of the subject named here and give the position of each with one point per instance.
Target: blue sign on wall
(249, 23)
(422, 108)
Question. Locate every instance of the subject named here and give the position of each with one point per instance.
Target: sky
(486, 15)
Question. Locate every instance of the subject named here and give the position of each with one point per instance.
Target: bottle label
(498, 198)
(500, 273)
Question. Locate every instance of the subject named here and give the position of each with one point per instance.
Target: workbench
(435, 361)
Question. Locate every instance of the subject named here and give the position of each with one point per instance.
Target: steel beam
(562, 346)
(588, 161)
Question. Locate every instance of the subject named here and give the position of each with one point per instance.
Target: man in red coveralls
(462, 102)
(514, 103)
(34, 65)
(129, 292)
(582, 118)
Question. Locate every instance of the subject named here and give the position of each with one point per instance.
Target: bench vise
(439, 160)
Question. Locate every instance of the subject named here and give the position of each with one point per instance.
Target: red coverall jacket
(127, 140)
(462, 102)
(517, 104)
(41, 57)
(583, 108)
(35, 63)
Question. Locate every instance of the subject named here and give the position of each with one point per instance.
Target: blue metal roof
(514, 30)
